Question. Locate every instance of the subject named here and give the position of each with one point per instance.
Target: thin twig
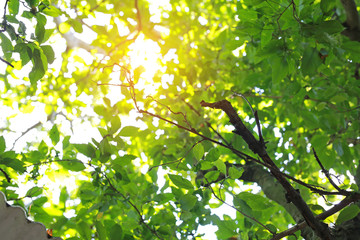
(97, 5)
(238, 210)
(142, 220)
(345, 202)
(138, 16)
(176, 113)
(179, 160)
(139, 29)
(50, 117)
(225, 144)
(8, 63)
(257, 120)
(56, 160)
(112, 84)
(25, 132)
(326, 172)
(207, 122)
(8, 179)
(245, 156)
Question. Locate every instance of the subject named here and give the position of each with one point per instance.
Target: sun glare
(145, 53)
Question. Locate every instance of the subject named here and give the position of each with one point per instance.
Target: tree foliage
(256, 107)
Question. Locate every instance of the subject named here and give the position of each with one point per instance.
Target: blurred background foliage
(76, 74)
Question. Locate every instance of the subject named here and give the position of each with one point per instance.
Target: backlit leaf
(54, 134)
(128, 131)
(348, 213)
(181, 182)
(198, 151)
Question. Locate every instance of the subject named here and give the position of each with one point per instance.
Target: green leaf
(116, 232)
(105, 148)
(86, 149)
(211, 176)
(186, 215)
(198, 151)
(271, 227)
(115, 125)
(187, 201)
(49, 53)
(339, 98)
(64, 195)
(280, 69)
(212, 155)
(137, 72)
(327, 5)
(319, 142)
(76, 25)
(181, 182)
(84, 229)
(311, 121)
(235, 173)
(220, 166)
(6, 46)
(100, 230)
(40, 27)
(72, 165)
(54, 134)
(273, 48)
(310, 61)
(129, 131)
(253, 2)
(256, 202)
(24, 51)
(124, 160)
(243, 205)
(266, 35)
(40, 201)
(52, 11)
(2, 144)
(348, 213)
(34, 191)
(247, 14)
(22, 28)
(48, 33)
(38, 71)
(353, 48)
(331, 27)
(206, 165)
(13, 163)
(227, 229)
(66, 142)
(13, 7)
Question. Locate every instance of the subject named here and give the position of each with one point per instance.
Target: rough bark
(258, 147)
(352, 23)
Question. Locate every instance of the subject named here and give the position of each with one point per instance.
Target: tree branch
(326, 172)
(241, 212)
(352, 23)
(8, 179)
(352, 15)
(142, 220)
(8, 63)
(257, 147)
(322, 216)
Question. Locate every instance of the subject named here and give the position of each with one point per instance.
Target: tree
(250, 95)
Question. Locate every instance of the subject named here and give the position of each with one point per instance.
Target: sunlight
(143, 58)
(145, 53)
